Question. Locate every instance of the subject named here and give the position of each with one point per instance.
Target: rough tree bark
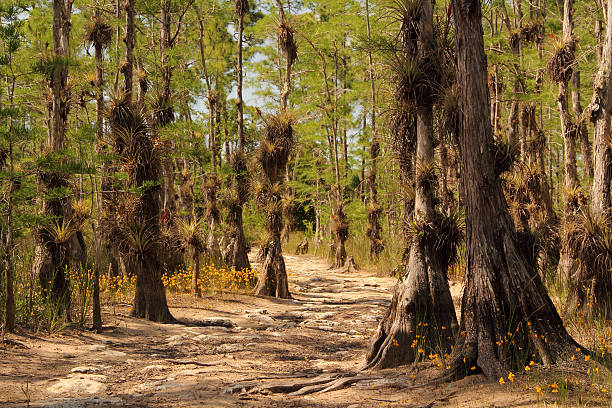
(600, 109)
(506, 311)
(590, 285)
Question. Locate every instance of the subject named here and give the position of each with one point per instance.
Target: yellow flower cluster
(211, 279)
(118, 287)
(178, 281)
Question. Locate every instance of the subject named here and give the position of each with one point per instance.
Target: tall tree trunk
(600, 109)
(502, 293)
(238, 255)
(568, 131)
(375, 210)
(590, 286)
(165, 113)
(52, 258)
(9, 272)
(422, 305)
(105, 184)
(210, 96)
(272, 280)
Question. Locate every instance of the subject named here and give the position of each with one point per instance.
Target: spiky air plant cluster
(421, 78)
(590, 239)
(139, 159)
(417, 78)
(505, 154)
(538, 238)
(407, 14)
(530, 32)
(239, 185)
(442, 235)
(449, 118)
(287, 41)
(340, 229)
(273, 154)
(210, 186)
(561, 64)
(98, 32)
(56, 234)
(427, 174)
(143, 81)
(162, 108)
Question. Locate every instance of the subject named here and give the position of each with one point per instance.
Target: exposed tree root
(327, 383)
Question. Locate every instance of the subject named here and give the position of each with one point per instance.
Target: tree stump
(302, 247)
(350, 265)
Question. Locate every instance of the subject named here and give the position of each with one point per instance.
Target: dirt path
(134, 363)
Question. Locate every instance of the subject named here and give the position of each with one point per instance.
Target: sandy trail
(135, 363)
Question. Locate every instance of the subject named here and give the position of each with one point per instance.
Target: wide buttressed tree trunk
(506, 312)
(421, 319)
(59, 244)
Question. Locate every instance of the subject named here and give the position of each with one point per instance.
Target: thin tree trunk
(209, 95)
(130, 40)
(568, 131)
(52, 259)
(375, 210)
(195, 282)
(238, 256)
(583, 132)
(9, 274)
